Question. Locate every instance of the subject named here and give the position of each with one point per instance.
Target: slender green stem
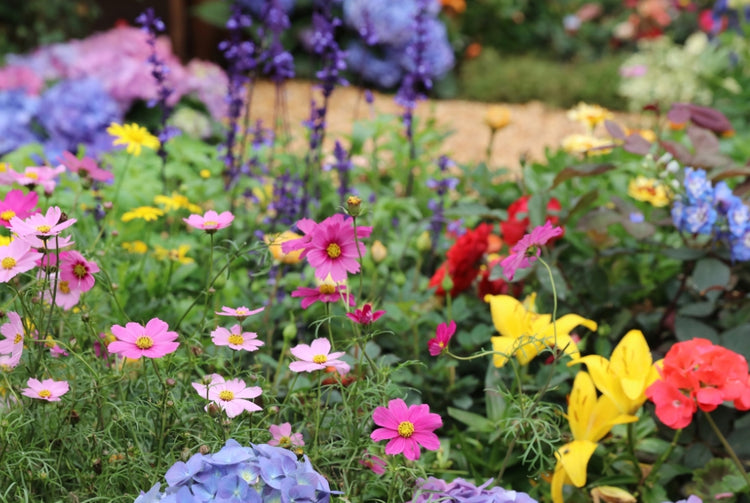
(359, 256)
(631, 449)
(728, 448)
(662, 459)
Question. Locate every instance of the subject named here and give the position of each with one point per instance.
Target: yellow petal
(603, 417)
(581, 405)
(574, 457)
(629, 361)
(606, 381)
(508, 315)
(610, 494)
(559, 478)
(503, 348)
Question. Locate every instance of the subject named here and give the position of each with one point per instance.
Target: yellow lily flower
(626, 375)
(524, 333)
(590, 419)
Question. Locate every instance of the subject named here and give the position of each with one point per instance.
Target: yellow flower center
(226, 395)
(8, 263)
(144, 342)
(32, 175)
(7, 215)
(45, 393)
(18, 338)
(319, 359)
(64, 287)
(325, 288)
(43, 228)
(79, 270)
(333, 250)
(236, 339)
(242, 312)
(285, 442)
(405, 429)
(210, 223)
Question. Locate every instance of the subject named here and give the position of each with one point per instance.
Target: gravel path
(533, 127)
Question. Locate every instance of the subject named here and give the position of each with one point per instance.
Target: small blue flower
(741, 247)
(699, 218)
(697, 187)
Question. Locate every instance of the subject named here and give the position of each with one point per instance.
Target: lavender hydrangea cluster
(388, 31)
(462, 491)
(255, 474)
(18, 110)
(713, 210)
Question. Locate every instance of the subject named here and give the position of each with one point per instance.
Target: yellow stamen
(319, 359)
(144, 342)
(405, 429)
(333, 250)
(226, 395)
(8, 263)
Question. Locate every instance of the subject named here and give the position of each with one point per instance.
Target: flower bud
(424, 243)
(290, 331)
(497, 117)
(354, 206)
(379, 251)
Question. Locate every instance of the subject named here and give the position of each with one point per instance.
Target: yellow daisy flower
(147, 213)
(133, 136)
(137, 246)
(178, 255)
(649, 190)
(589, 115)
(177, 201)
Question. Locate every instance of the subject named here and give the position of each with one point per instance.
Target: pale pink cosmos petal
(48, 389)
(304, 366)
(301, 351)
(155, 339)
(320, 346)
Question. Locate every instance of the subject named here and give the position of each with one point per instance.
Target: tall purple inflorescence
(417, 80)
(278, 63)
(343, 166)
(240, 55)
(441, 186)
(152, 26)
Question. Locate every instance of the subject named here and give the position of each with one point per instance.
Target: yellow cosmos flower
(649, 190)
(177, 255)
(274, 242)
(589, 115)
(626, 375)
(497, 117)
(176, 202)
(205, 173)
(524, 333)
(137, 246)
(133, 136)
(585, 144)
(5, 240)
(590, 419)
(147, 213)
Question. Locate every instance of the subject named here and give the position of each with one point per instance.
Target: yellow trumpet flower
(524, 333)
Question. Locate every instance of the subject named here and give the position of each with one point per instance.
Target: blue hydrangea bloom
(77, 112)
(239, 474)
(463, 491)
(738, 217)
(699, 218)
(17, 111)
(697, 186)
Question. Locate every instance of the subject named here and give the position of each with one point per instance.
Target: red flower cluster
(464, 260)
(515, 228)
(698, 374)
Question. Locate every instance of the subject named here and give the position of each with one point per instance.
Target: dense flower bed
(221, 317)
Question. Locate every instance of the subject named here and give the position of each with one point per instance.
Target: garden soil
(533, 128)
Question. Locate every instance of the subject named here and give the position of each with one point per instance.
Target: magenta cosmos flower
(365, 316)
(39, 228)
(236, 338)
(240, 312)
(86, 168)
(283, 436)
(324, 293)
(152, 341)
(11, 347)
(77, 271)
(17, 204)
(317, 356)
(406, 428)
(443, 335)
(527, 250)
(230, 396)
(15, 258)
(374, 463)
(45, 390)
(210, 222)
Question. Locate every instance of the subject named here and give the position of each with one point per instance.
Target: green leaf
(710, 274)
(698, 309)
(684, 253)
(475, 422)
(687, 328)
(737, 340)
(579, 171)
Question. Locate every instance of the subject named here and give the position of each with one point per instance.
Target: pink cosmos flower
(17, 204)
(86, 168)
(443, 335)
(210, 222)
(15, 258)
(11, 347)
(66, 296)
(527, 250)
(365, 316)
(324, 293)
(230, 396)
(317, 356)
(44, 176)
(240, 313)
(406, 428)
(283, 436)
(152, 341)
(332, 249)
(77, 271)
(45, 390)
(374, 463)
(307, 228)
(236, 338)
(39, 228)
